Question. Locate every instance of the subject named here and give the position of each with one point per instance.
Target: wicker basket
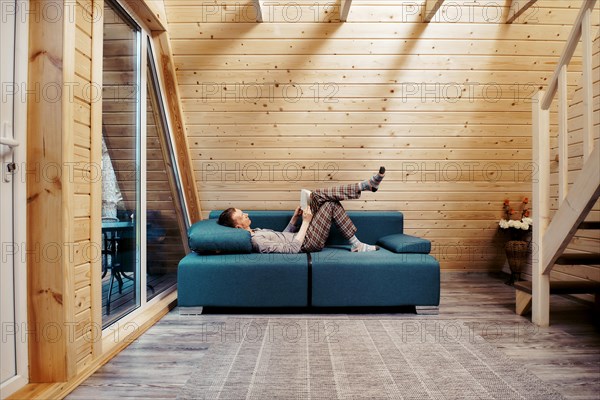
(516, 253)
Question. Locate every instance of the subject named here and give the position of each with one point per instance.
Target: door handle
(5, 140)
(9, 142)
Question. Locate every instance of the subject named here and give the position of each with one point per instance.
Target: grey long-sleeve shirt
(270, 241)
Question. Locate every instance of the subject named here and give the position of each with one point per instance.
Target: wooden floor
(566, 355)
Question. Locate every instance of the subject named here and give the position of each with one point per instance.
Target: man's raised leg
(345, 192)
(318, 231)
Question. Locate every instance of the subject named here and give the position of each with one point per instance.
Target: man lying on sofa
(325, 208)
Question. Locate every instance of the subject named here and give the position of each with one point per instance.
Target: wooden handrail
(567, 53)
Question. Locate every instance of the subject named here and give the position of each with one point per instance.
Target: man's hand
(306, 218)
(307, 214)
(297, 214)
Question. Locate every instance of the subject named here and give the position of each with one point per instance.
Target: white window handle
(6, 141)
(9, 142)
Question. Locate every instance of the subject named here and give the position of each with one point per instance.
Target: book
(304, 198)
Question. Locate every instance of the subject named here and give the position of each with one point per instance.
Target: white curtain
(111, 194)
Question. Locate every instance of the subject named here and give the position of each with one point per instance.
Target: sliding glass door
(143, 217)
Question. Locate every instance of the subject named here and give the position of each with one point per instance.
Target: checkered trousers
(327, 209)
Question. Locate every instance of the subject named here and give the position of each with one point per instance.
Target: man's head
(234, 218)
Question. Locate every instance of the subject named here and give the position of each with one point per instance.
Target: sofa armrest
(401, 243)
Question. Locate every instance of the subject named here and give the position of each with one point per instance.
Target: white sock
(358, 246)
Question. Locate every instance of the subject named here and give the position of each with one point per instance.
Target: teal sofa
(222, 270)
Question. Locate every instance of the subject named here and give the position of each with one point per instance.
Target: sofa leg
(427, 310)
(190, 310)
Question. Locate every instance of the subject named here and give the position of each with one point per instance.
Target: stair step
(576, 259)
(589, 225)
(563, 287)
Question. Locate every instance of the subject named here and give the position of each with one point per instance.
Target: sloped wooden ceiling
(304, 100)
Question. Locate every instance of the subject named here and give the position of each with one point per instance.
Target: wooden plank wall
(585, 241)
(302, 100)
(84, 167)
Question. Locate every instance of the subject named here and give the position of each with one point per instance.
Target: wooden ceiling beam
(259, 15)
(515, 12)
(345, 10)
(431, 10)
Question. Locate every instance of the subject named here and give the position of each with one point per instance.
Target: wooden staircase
(524, 290)
(551, 236)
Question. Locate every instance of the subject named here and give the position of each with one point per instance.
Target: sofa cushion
(207, 236)
(381, 278)
(243, 280)
(401, 243)
(371, 226)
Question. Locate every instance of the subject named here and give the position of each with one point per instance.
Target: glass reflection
(165, 226)
(120, 165)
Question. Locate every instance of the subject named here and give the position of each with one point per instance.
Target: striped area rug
(302, 358)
